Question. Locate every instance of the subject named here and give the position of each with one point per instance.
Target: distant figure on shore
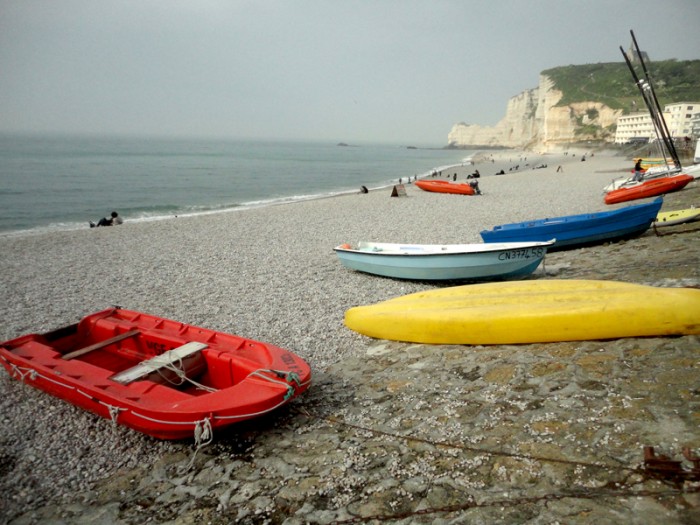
(638, 173)
(560, 169)
(113, 220)
(475, 185)
(363, 189)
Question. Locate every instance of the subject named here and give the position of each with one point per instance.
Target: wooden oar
(101, 344)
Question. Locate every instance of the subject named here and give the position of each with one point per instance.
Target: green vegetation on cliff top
(612, 83)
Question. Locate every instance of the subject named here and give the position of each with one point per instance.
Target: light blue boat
(444, 262)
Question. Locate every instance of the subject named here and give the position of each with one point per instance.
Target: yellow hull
(669, 218)
(531, 312)
(652, 162)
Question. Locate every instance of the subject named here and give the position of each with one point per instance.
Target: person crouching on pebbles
(113, 220)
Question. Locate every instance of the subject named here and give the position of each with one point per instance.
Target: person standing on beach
(638, 173)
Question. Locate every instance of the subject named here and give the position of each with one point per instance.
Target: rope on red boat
(203, 433)
(204, 427)
(178, 368)
(113, 412)
(287, 376)
(21, 373)
(203, 436)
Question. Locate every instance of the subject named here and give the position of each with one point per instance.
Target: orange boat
(164, 378)
(443, 186)
(648, 188)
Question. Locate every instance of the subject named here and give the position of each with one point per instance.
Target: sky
(352, 71)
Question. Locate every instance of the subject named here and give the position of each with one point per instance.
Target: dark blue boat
(572, 231)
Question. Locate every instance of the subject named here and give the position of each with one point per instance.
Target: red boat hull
(443, 186)
(649, 188)
(231, 379)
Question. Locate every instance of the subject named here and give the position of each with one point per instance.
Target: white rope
(254, 414)
(52, 380)
(162, 421)
(178, 369)
(203, 431)
(289, 377)
(113, 412)
(203, 436)
(21, 373)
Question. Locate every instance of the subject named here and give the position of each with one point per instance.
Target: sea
(57, 183)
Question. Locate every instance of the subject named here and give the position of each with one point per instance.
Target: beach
(408, 433)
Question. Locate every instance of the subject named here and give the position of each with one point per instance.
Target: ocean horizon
(57, 183)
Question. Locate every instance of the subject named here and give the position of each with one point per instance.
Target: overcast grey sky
(353, 71)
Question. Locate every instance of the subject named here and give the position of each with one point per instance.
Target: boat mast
(655, 107)
(645, 96)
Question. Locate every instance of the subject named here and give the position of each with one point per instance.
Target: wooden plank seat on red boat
(184, 356)
(100, 345)
(74, 373)
(95, 377)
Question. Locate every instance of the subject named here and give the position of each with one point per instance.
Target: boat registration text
(525, 253)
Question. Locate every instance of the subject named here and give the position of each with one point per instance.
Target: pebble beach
(388, 432)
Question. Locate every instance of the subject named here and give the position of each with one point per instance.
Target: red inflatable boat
(648, 188)
(161, 377)
(443, 186)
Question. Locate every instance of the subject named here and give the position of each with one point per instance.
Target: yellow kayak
(670, 218)
(531, 312)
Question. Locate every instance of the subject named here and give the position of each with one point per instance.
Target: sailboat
(663, 137)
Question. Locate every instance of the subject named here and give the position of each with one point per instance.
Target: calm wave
(59, 183)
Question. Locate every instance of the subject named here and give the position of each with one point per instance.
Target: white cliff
(534, 121)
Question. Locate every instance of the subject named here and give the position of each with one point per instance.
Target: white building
(638, 126)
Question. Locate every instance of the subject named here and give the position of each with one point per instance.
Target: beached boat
(437, 262)
(444, 186)
(649, 174)
(672, 218)
(669, 163)
(572, 231)
(167, 379)
(648, 188)
(532, 311)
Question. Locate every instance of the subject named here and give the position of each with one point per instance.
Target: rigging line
(672, 149)
(472, 504)
(671, 146)
(653, 114)
(478, 450)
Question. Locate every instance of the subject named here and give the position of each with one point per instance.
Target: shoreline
(479, 157)
(63, 227)
(270, 274)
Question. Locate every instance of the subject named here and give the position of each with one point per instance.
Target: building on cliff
(679, 119)
(634, 56)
